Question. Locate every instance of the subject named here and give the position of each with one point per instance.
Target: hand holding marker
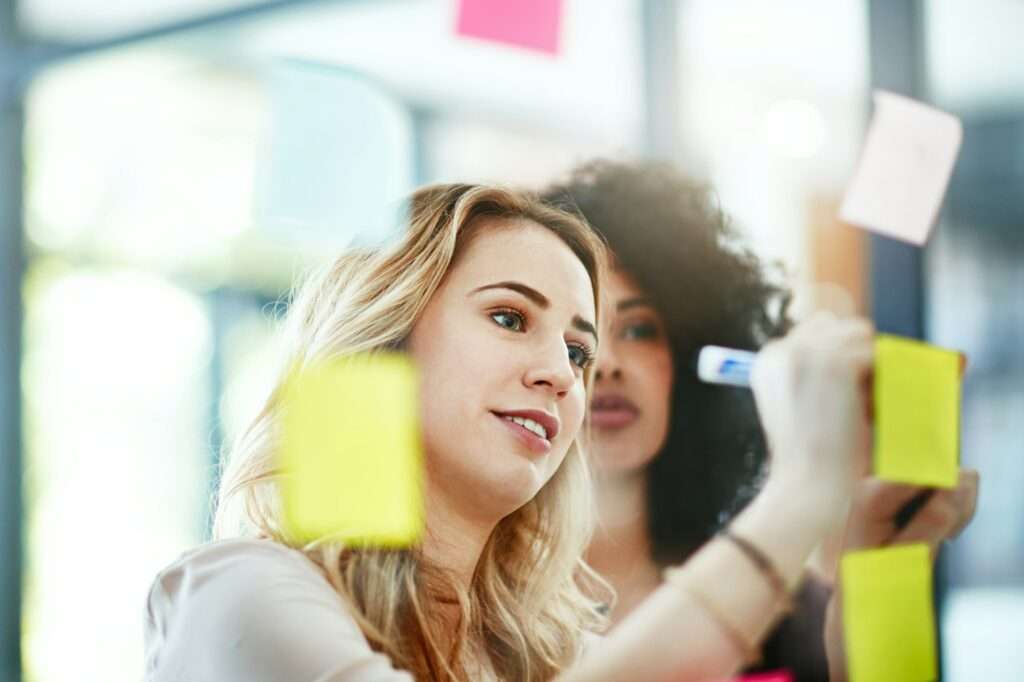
(732, 367)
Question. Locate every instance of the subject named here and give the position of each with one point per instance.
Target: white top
(256, 611)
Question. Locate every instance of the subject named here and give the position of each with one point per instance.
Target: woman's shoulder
(238, 589)
(219, 573)
(241, 556)
(590, 641)
(251, 609)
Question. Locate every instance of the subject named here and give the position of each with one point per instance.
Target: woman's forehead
(524, 251)
(620, 284)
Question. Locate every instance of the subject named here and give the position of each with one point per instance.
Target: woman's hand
(873, 523)
(943, 516)
(811, 393)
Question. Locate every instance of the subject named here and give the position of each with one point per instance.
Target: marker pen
(718, 365)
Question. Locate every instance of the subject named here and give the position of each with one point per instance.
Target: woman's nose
(615, 374)
(555, 372)
(607, 365)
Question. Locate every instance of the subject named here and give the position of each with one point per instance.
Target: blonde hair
(527, 605)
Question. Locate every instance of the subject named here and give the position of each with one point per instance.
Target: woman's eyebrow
(584, 326)
(628, 303)
(540, 299)
(529, 292)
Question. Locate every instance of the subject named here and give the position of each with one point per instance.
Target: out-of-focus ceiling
(91, 20)
(590, 90)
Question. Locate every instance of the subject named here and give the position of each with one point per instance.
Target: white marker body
(718, 365)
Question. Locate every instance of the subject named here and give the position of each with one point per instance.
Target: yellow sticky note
(917, 412)
(888, 617)
(350, 452)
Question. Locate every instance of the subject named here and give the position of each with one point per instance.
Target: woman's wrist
(807, 498)
(786, 522)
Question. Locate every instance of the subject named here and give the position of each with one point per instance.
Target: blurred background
(167, 167)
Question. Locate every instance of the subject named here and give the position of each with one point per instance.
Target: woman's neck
(621, 549)
(454, 544)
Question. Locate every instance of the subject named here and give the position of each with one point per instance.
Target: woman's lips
(532, 441)
(612, 412)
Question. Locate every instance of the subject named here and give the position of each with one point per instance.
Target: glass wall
(172, 197)
(975, 281)
(139, 193)
(774, 104)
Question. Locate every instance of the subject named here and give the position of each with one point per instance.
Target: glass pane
(774, 102)
(153, 159)
(250, 364)
(88, 20)
(117, 458)
(458, 150)
(974, 54)
(975, 276)
(143, 157)
(439, 71)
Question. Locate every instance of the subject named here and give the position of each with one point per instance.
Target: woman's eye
(510, 320)
(581, 356)
(644, 330)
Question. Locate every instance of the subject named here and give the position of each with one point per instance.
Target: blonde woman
(494, 296)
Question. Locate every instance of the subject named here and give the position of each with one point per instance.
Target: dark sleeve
(798, 642)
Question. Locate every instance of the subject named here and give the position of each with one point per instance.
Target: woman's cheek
(663, 370)
(573, 418)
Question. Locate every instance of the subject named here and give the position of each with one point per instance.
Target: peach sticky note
(917, 412)
(532, 24)
(350, 451)
(888, 616)
(904, 169)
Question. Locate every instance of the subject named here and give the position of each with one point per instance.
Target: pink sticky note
(776, 676)
(532, 24)
(908, 158)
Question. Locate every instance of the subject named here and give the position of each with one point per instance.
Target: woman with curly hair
(677, 458)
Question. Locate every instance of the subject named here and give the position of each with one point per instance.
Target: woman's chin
(618, 462)
(517, 485)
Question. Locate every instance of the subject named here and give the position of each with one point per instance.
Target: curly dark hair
(671, 235)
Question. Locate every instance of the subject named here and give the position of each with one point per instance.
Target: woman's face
(631, 403)
(501, 348)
